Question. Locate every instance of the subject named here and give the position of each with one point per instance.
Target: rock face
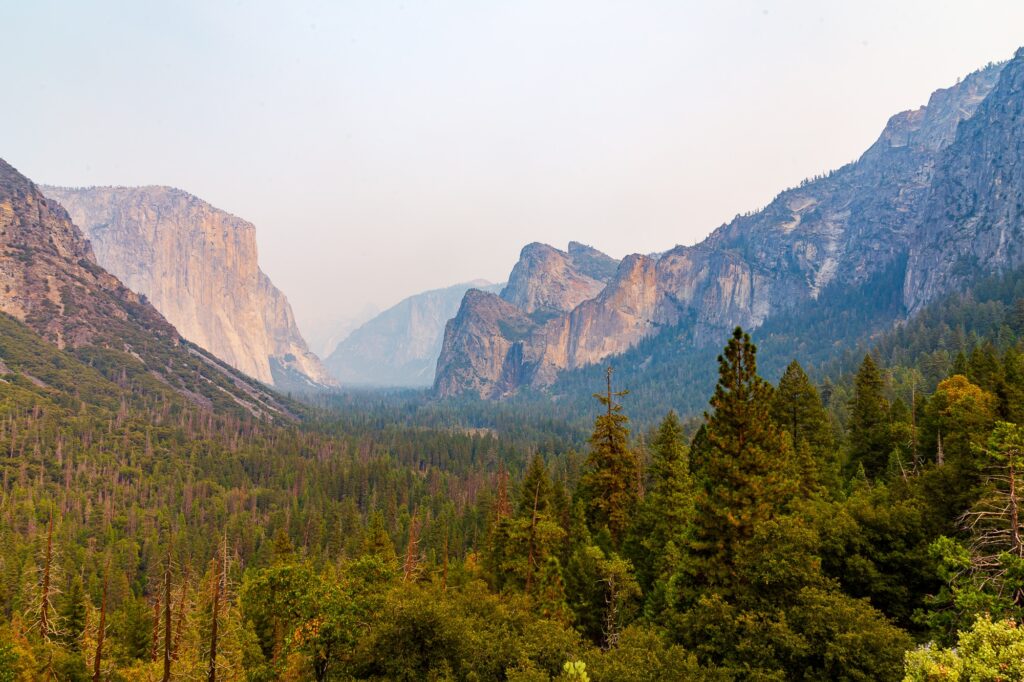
(837, 230)
(50, 277)
(400, 346)
(974, 218)
(547, 281)
(52, 283)
(198, 266)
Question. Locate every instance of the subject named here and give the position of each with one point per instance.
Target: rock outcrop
(198, 266)
(400, 346)
(548, 281)
(837, 230)
(53, 283)
(973, 222)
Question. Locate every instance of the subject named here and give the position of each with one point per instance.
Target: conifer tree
(72, 614)
(797, 408)
(611, 480)
(667, 508)
(536, 489)
(748, 479)
(101, 630)
(521, 545)
(869, 436)
(378, 543)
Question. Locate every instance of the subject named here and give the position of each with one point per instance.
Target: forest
(863, 524)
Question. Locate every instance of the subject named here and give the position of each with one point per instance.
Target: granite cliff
(53, 284)
(198, 266)
(973, 220)
(839, 230)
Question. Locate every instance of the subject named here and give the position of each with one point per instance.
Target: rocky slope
(400, 346)
(548, 281)
(53, 284)
(198, 266)
(973, 221)
(835, 231)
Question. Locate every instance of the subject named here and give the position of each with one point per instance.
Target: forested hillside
(799, 531)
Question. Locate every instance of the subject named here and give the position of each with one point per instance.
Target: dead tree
(167, 619)
(995, 523)
(101, 632)
(46, 593)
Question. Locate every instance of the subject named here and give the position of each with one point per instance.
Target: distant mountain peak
(400, 346)
(198, 265)
(573, 308)
(54, 286)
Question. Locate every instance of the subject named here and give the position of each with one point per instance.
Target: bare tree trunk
(1018, 545)
(98, 661)
(215, 609)
(45, 626)
(611, 622)
(180, 624)
(167, 620)
(530, 560)
(411, 552)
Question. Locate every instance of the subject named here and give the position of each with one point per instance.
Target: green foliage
(665, 512)
(747, 555)
(869, 441)
(611, 480)
(747, 477)
(797, 409)
(9, 664)
(990, 651)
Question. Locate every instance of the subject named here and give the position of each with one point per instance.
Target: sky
(384, 148)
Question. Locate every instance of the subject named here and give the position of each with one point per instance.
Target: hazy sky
(383, 148)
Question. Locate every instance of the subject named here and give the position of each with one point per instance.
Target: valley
(789, 451)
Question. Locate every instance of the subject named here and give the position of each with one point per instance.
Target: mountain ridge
(839, 229)
(54, 287)
(199, 266)
(400, 345)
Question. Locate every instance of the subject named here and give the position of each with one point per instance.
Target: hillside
(827, 240)
(198, 266)
(54, 286)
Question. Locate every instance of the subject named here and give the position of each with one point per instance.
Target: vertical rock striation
(198, 266)
(837, 230)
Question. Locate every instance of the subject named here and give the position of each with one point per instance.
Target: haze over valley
(378, 341)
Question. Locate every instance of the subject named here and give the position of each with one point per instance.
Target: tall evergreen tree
(521, 545)
(797, 408)
(667, 508)
(611, 479)
(869, 436)
(72, 614)
(748, 478)
(536, 489)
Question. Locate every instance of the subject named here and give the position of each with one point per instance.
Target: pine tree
(101, 630)
(282, 549)
(378, 543)
(72, 614)
(797, 408)
(748, 478)
(535, 490)
(611, 480)
(521, 545)
(667, 509)
(869, 436)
